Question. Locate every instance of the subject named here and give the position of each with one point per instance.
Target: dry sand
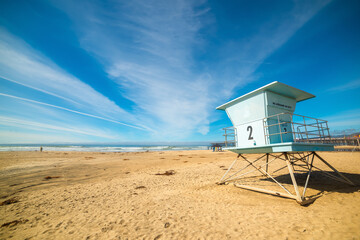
(78, 195)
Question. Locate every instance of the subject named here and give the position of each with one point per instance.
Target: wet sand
(163, 195)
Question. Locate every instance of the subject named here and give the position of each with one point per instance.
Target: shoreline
(127, 148)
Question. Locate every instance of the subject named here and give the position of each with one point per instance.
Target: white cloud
(70, 110)
(20, 63)
(43, 127)
(251, 52)
(148, 48)
(26, 67)
(154, 67)
(345, 87)
(344, 120)
(37, 89)
(19, 136)
(30, 118)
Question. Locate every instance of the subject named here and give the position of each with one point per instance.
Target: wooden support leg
(279, 169)
(230, 177)
(267, 161)
(328, 174)
(308, 177)
(221, 180)
(298, 197)
(291, 162)
(275, 181)
(268, 175)
(255, 169)
(265, 191)
(253, 165)
(341, 175)
(306, 162)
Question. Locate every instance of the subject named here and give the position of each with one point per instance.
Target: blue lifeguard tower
(264, 123)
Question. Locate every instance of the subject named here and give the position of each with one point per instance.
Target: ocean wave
(81, 148)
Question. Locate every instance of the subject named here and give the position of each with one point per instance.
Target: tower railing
(287, 127)
(230, 136)
(290, 127)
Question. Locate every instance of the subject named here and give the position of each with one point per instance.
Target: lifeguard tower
(264, 123)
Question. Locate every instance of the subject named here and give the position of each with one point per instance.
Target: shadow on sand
(320, 182)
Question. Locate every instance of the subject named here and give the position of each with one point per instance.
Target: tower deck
(283, 147)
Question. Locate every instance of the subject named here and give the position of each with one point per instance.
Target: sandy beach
(163, 195)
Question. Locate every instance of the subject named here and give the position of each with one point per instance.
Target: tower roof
(276, 87)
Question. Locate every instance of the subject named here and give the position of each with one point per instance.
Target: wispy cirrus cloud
(22, 64)
(243, 57)
(345, 87)
(37, 89)
(19, 136)
(44, 127)
(149, 53)
(29, 117)
(343, 120)
(153, 51)
(150, 49)
(70, 110)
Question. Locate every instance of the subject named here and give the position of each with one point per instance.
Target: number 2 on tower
(249, 128)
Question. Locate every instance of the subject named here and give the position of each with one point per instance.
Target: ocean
(102, 148)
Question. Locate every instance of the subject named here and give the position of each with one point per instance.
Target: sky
(148, 71)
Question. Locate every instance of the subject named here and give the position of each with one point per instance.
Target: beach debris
(221, 166)
(15, 184)
(140, 187)
(158, 237)
(127, 172)
(166, 173)
(13, 223)
(166, 225)
(162, 158)
(9, 201)
(126, 159)
(50, 177)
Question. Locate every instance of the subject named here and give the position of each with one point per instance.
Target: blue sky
(128, 71)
